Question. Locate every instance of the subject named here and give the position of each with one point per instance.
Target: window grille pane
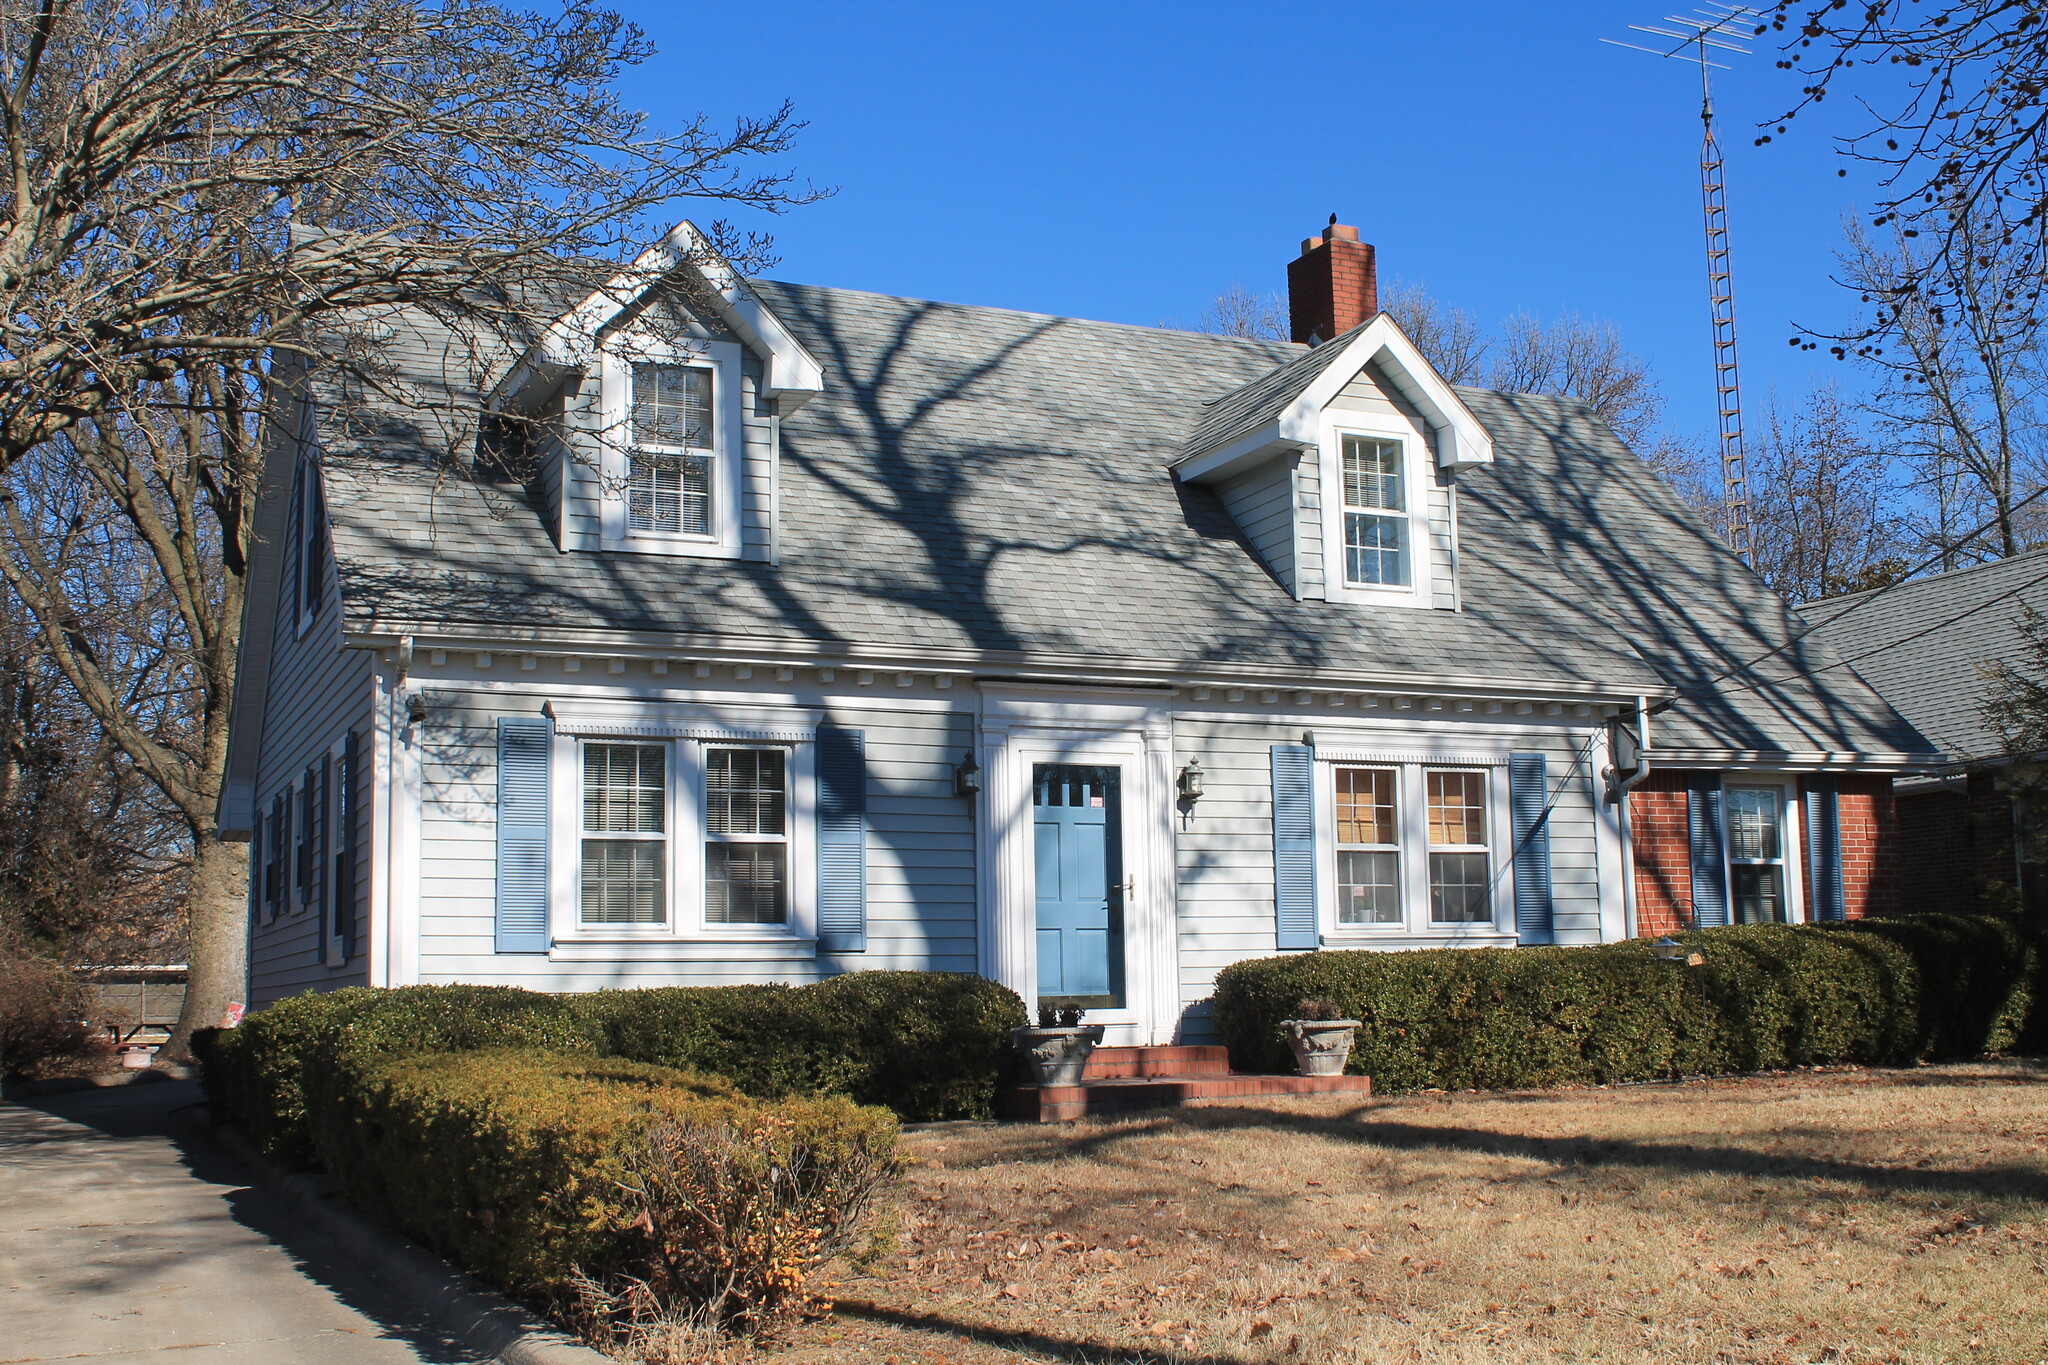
(1753, 822)
(1373, 549)
(744, 791)
(746, 884)
(623, 881)
(671, 405)
(1759, 893)
(669, 493)
(1457, 808)
(1457, 888)
(1368, 888)
(1372, 474)
(624, 786)
(1365, 806)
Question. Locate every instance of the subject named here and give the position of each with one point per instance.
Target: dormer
(1340, 466)
(661, 392)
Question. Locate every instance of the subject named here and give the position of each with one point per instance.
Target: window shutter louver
(1528, 795)
(842, 840)
(1709, 857)
(524, 760)
(294, 548)
(273, 869)
(345, 851)
(316, 890)
(1824, 844)
(1294, 847)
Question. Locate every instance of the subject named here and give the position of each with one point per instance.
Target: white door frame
(1131, 729)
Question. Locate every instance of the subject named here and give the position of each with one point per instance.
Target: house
(1922, 645)
(829, 631)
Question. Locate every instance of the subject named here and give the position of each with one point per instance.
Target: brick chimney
(1333, 285)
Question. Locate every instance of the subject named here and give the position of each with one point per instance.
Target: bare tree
(1821, 501)
(1960, 364)
(1959, 141)
(209, 197)
(1237, 312)
(1450, 338)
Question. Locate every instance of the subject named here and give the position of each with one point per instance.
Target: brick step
(1062, 1103)
(1118, 1063)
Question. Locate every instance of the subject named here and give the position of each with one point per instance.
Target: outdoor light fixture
(967, 777)
(1190, 783)
(415, 707)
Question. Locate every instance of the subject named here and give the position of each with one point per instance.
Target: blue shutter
(294, 537)
(1824, 847)
(842, 840)
(1709, 859)
(349, 788)
(316, 885)
(1528, 799)
(523, 763)
(1294, 847)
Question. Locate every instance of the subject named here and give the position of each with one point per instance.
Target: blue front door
(1080, 885)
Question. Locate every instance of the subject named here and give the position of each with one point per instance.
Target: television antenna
(1721, 29)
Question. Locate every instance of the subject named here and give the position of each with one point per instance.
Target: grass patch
(1845, 1215)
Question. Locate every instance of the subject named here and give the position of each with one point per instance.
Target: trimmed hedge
(287, 1075)
(1876, 992)
(538, 1170)
(928, 1045)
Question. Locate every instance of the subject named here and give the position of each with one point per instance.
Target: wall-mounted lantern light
(1190, 783)
(415, 707)
(967, 777)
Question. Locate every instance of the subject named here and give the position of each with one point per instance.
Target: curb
(442, 1296)
(65, 1085)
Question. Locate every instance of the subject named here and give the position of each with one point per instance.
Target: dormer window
(670, 443)
(1376, 535)
(671, 469)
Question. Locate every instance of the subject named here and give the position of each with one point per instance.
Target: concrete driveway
(126, 1234)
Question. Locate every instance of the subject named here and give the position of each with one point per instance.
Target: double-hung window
(1375, 512)
(746, 836)
(671, 475)
(1368, 847)
(1756, 854)
(625, 834)
(1459, 874)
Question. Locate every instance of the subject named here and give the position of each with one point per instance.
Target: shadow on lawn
(1059, 1348)
(1678, 1158)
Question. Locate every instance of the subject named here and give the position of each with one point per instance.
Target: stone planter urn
(1057, 1055)
(1321, 1046)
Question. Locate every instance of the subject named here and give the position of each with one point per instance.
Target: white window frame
(1416, 458)
(1494, 863)
(705, 838)
(687, 735)
(1411, 814)
(728, 450)
(337, 753)
(1398, 848)
(1791, 842)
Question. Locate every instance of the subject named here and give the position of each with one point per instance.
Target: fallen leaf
(1013, 1291)
(1261, 1328)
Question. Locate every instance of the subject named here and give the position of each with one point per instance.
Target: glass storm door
(1079, 858)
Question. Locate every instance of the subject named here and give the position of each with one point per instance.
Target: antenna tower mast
(1721, 28)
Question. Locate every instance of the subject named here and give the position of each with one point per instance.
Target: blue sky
(1126, 161)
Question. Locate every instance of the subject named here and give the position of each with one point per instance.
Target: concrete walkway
(126, 1234)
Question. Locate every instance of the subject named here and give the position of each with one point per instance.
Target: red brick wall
(1950, 842)
(1871, 858)
(1332, 286)
(1663, 853)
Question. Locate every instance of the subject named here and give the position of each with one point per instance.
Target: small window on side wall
(1756, 854)
(1368, 847)
(625, 834)
(1459, 871)
(671, 471)
(746, 836)
(1375, 513)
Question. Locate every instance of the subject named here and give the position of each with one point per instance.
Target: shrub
(544, 1172)
(928, 1045)
(1878, 992)
(285, 1074)
(43, 1027)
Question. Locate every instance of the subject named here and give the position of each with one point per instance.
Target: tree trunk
(218, 938)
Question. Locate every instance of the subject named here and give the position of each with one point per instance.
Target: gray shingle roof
(995, 482)
(1252, 405)
(1920, 644)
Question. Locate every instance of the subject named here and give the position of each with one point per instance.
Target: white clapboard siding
(1262, 502)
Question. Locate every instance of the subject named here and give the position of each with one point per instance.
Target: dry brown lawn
(1853, 1216)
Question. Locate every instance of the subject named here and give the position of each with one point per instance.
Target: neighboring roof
(1921, 643)
(992, 487)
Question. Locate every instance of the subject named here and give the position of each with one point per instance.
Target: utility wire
(1862, 601)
